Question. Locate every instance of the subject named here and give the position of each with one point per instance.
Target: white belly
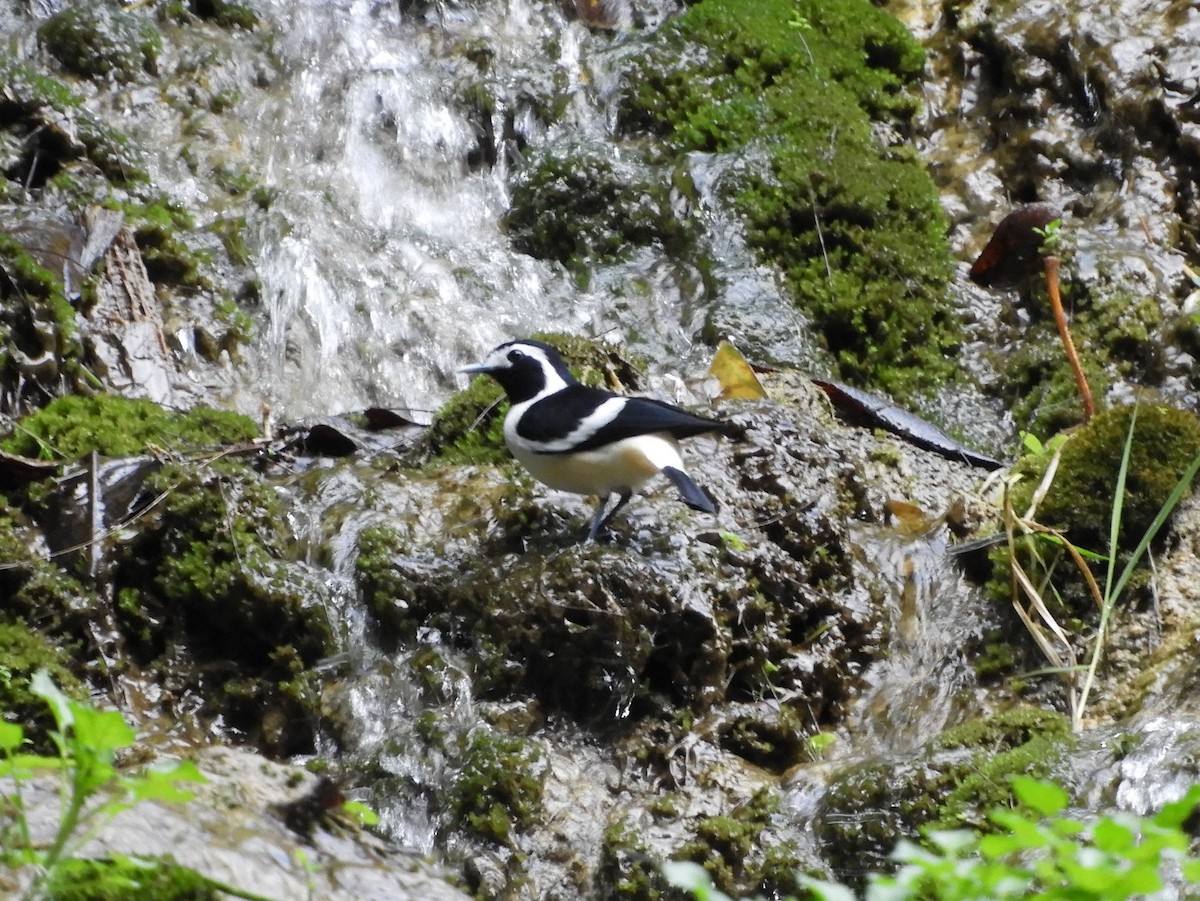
(624, 466)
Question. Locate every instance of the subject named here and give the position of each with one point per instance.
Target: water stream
(383, 265)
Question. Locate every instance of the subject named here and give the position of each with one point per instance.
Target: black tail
(693, 495)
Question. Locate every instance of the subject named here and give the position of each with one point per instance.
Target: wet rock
(707, 658)
(99, 40)
(633, 631)
(950, 783)
(576, 204)
(233, 832)
(202, 595)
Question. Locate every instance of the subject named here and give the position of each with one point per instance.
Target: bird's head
(525, 369)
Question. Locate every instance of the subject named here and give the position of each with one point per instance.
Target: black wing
(566, 412)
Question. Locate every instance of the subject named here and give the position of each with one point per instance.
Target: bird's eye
(515, 356)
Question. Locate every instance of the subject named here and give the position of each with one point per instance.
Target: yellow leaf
(734, 374)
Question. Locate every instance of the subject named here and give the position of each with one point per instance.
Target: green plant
(1051, 638)
(92, 790)
(1036, 851)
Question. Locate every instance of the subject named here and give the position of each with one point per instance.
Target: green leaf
(101, 731)
(1141, 880)
(1044, 798)
(1032, 444)
(1175, 814)
(361, 813)
(161, 784)
(997, 845)
(819, 741)
(1181, 488)
(1191, 870)
(952, 842)
(32, 763)
(60, 706)
(692, 877)
(732, 541)
(11, 737)
(1022, 829)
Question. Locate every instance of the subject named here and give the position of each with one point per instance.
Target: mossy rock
(114, 426)
(23, 652)
(165, 233)
(742, 862)
(204, 594)
(38, 334)
(625, 636)
(1080, 500)
(498, 789)
(39, 592)
(469, 428)
(47, 118)
(1119, 335)
(577, 204)
(950, 783)
(226, 13)
(628, 867)
(96, 40)
(1038, 375)
(803, 91)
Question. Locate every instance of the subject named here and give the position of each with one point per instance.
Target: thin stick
(1050, 262)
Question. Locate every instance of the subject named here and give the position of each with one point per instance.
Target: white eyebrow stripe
(591, 424)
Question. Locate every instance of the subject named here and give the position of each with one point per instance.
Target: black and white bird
(588, 440)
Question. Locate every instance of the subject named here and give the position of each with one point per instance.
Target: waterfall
(384, 264)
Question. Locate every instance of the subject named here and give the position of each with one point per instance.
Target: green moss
(204, 592)
(950, 783)
(232, 232)
(226, 13)
(1025, 740)
(629, 869)
(41, 291)
(37, 106)
(236, 182)
(1080, 500)
(129, 879)
(1038, 375)
(159, 226)
(499, 788)
(22, 653)
(999, 657)
(95, 40)
(730, 846)
(29, 89)
(37, 591)
(384, 586)
(469, 428)
(113, 426)
(773, 736)
(576, 204)
(804, 90)
(239, 327)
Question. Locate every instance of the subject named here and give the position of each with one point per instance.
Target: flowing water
(384, 265)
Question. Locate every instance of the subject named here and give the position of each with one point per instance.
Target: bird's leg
(598, 520)
(622, 500)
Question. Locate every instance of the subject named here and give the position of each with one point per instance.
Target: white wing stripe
(589, 426)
